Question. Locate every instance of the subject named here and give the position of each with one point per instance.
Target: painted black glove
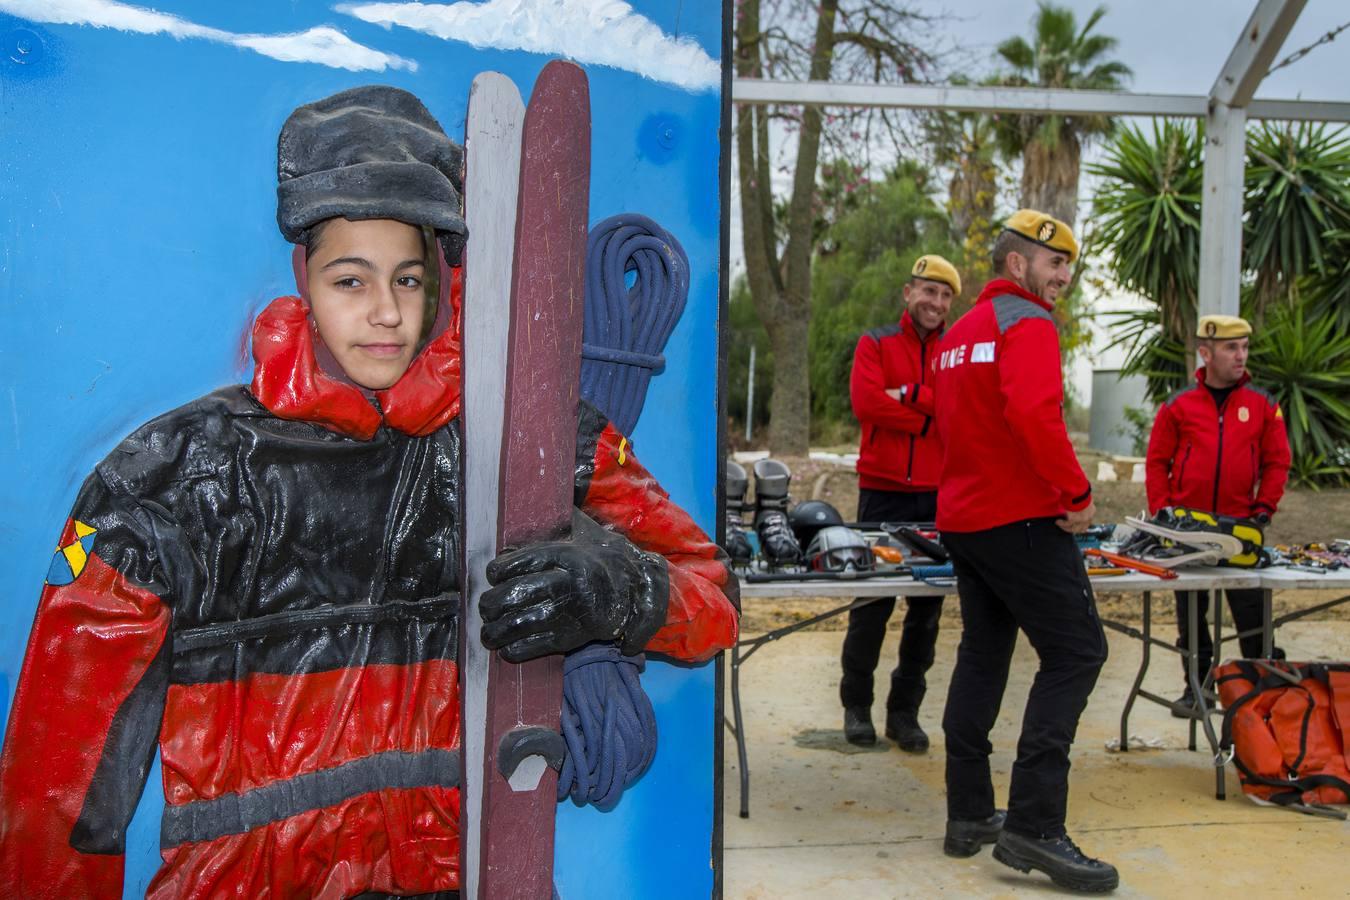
(555, 596)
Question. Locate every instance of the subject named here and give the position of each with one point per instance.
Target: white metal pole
(750, 395)
(1221, 210)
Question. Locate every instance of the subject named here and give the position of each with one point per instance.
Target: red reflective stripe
(395, 842)
(234, 736)
(92, 642)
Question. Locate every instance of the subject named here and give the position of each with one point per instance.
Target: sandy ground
(826, 821)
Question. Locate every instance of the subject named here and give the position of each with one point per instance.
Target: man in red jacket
(891, 390)
(1012, 495)
(1219, 446)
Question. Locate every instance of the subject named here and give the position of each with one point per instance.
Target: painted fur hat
(371, 152)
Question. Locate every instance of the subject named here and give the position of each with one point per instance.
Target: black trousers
(1026, 575)
(1244, 604)
(867, 624)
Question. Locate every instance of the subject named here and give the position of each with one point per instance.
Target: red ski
(512, 745)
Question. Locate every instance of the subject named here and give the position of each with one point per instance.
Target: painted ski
(512, 855)
(492, 165)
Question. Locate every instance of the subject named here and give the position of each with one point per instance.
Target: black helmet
(810, 516)
(839, 549)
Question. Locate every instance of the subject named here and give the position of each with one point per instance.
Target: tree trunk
(790, 408)
(781, 290)
(1050, 177)
(790, 404)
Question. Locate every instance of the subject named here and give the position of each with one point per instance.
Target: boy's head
(364, 176)
(371, 152)
(366, 284)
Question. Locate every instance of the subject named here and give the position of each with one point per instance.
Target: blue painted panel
(137, 183)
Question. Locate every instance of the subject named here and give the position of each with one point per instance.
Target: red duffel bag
(1287, 726)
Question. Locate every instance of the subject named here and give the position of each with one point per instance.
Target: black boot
(903, 728)
(965, 838)
(1059, 858)
(1187, 699)
(858, 728)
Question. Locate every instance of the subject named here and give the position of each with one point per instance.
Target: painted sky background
(137, 180)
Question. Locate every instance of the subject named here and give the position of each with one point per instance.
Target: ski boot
(737, 544)
(776, 540)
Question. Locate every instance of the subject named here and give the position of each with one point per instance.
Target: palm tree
(1060, 55)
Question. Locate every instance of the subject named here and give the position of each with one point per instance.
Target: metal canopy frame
(1226, 109)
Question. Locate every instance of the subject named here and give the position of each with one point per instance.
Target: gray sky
(1177, 46)
(1173, 46)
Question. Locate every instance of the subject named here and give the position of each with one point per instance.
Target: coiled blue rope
(626, 326)
(607, 723)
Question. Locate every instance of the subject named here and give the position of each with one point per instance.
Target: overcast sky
(1173, 46)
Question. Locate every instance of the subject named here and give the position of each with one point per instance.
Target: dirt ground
(827, 820)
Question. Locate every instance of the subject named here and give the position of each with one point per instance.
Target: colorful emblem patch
(1244, 414)
(76, 544)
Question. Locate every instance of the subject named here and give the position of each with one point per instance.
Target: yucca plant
(1147, 214)
(1149, 352)
(1297, 195)
(1305, 363)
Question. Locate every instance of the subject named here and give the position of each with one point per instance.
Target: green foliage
(1305, 363)
(743, 331)
(1296, 246)
(859, 284)
(1147, 212)
(1296, 193)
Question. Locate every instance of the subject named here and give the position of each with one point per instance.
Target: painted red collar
(288, 380)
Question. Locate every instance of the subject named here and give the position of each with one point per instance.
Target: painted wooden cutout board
(137, 180)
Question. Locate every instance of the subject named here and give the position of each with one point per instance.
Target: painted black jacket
(264, 583)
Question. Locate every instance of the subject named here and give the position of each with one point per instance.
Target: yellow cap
(1223, 328)
(934, 268)
(1045, 230)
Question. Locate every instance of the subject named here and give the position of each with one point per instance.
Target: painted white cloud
(325, 46)
(604, 32)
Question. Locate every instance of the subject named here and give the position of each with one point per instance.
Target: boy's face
(367, 297)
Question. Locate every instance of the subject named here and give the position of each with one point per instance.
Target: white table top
(1190, 579)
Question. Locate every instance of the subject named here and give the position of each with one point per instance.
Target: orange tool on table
(1130, 563)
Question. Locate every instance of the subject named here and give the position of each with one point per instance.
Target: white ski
(492, 138)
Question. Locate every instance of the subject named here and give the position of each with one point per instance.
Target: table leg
(1267, 629)
(1139, 678)
(740, 730)
(1217, 613)
(1193, 654)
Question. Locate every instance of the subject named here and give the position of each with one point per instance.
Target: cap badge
(920, 266)
(1211, 329)
(1046, 232)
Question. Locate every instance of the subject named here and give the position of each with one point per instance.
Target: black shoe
(858, 727)
(1059, 858)
(965, 838)
(1187, 699)
(903, 728)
